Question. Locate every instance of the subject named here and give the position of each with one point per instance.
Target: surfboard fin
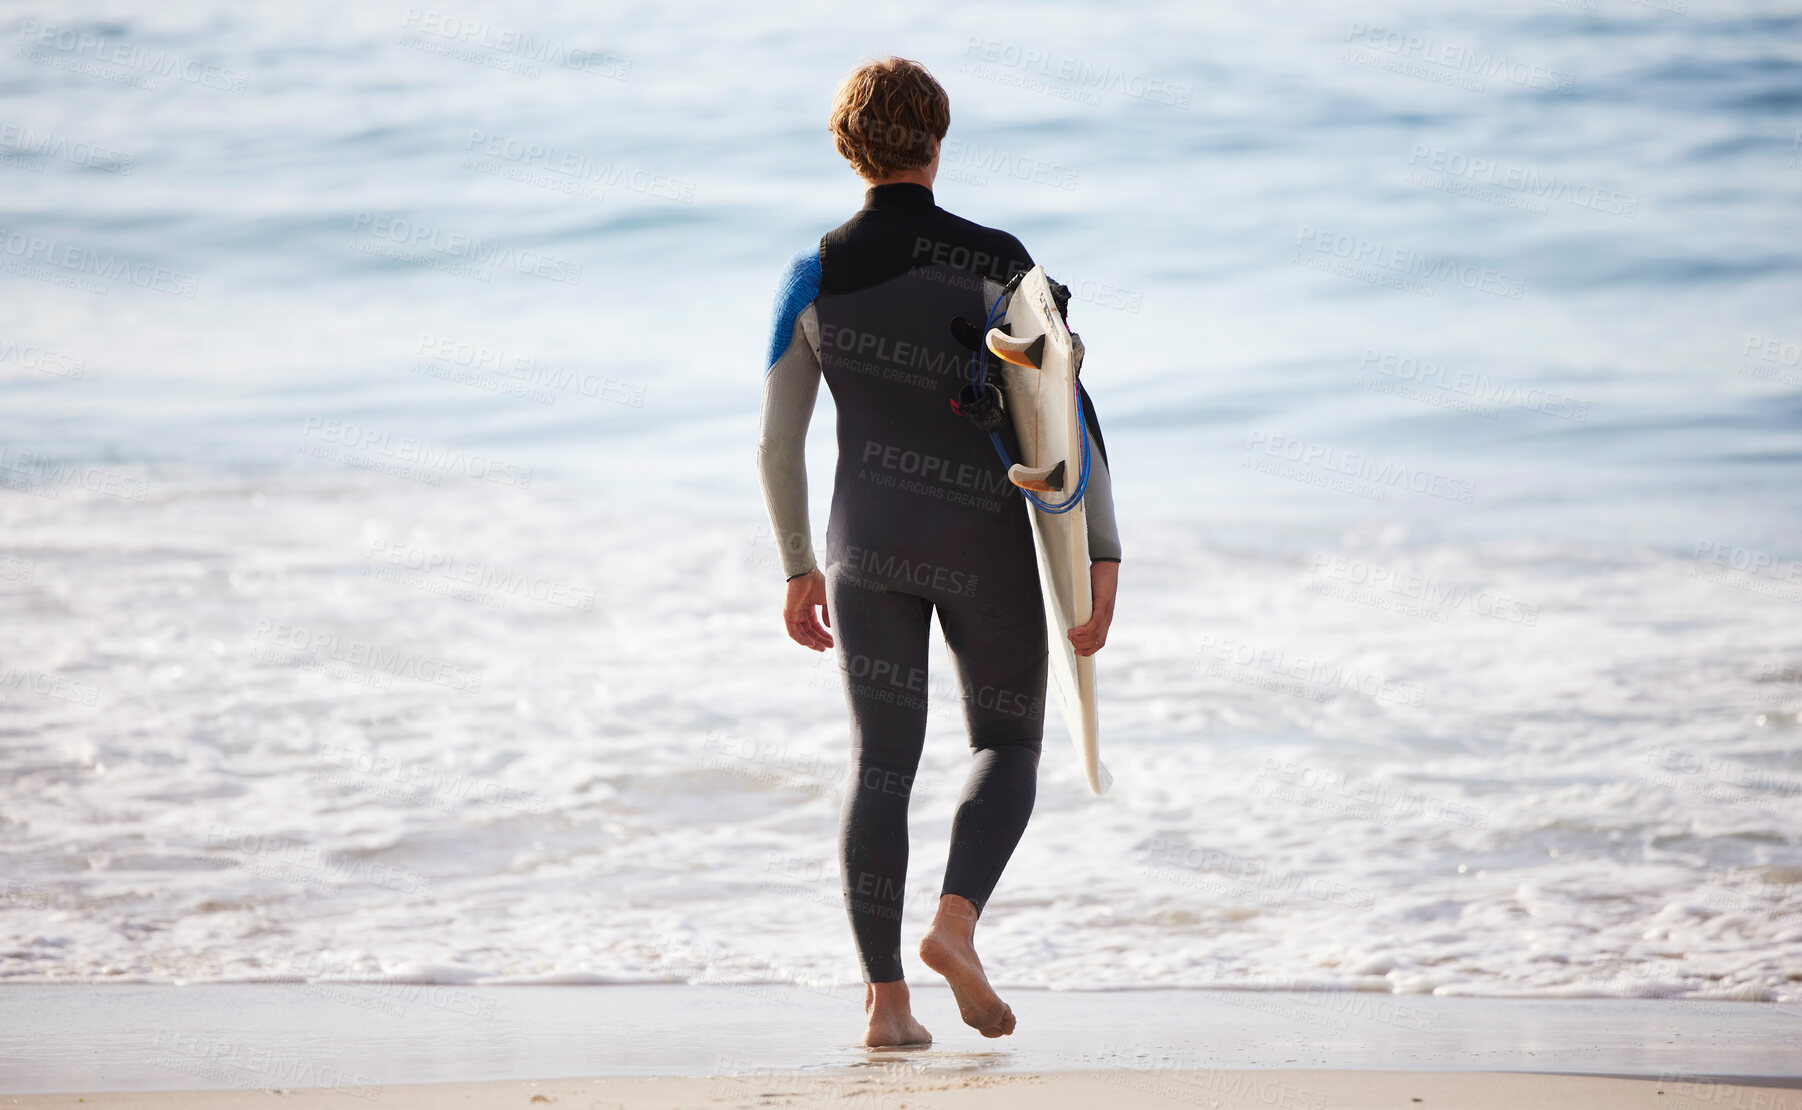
(1020, 352)
(1044, 479)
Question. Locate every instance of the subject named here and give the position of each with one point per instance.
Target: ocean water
(387, 593)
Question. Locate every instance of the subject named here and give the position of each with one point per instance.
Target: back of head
(888, 117)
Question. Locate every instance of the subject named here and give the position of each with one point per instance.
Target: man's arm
(1098, 511)
(1104, 547)
(791, 384)
(790, 389)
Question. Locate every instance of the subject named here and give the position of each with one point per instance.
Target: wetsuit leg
(881, 643)
(998, 646)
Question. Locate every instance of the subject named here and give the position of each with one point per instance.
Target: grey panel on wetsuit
(790, 389)
(1098, 509)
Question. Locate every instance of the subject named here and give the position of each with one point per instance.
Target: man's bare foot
(892, 1021)
(949, 948)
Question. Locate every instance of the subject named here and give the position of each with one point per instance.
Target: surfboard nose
(1020, 352)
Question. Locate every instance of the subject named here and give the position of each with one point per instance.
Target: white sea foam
(648, 791)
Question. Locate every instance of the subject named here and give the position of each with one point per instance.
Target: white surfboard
(1040, 361)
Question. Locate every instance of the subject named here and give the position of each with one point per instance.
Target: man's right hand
(804, 592)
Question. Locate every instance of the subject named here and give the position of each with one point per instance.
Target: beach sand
(1226, 1090)
(763, 1045)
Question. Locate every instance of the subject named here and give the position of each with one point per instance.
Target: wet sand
(630, 1046)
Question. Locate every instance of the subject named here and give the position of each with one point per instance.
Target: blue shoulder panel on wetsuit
(800, 285)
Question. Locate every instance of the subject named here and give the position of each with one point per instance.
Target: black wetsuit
(923, 520)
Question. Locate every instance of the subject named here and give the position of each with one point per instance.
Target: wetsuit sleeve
(791, 384)
(1098, 509)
